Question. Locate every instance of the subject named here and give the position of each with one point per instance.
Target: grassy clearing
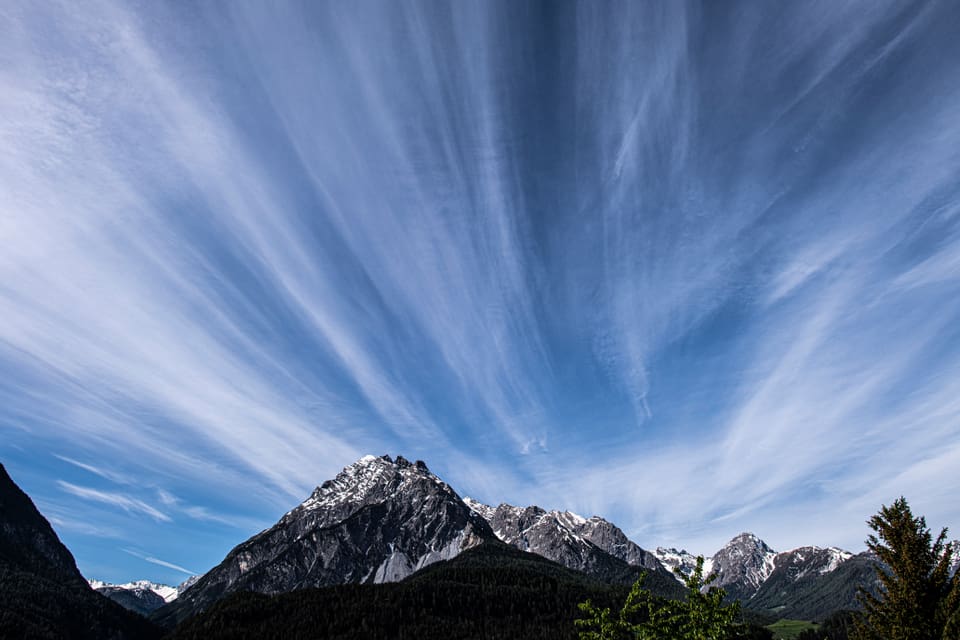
(789, 629)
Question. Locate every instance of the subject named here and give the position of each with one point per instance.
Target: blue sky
(692, 267)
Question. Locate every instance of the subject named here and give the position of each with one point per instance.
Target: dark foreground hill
(491, 591)
(42, 594)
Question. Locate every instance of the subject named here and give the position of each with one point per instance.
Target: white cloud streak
(123, 501)
(159, 562)
(247, 267)
(103, 473)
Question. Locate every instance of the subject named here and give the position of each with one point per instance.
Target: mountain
(593, 545)
(141, 596)
(382, 519)
(792, 591)
(489, 591)
(44, 595)
(742, 565)
(379, 520)
(806, 583)
(803, 562)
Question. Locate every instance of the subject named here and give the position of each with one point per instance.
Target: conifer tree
(918, 597)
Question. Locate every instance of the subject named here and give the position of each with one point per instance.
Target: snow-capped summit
(363, 482)
(681, 559)
(379, 520)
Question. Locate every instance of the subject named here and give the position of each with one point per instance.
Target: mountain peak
(370, 479)
(399, 461)
(743, 564)
(379, 520)
(749, 539)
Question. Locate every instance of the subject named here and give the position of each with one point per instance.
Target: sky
(693, 267)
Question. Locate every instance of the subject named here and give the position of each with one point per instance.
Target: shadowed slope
(490, 591)
(44, 595)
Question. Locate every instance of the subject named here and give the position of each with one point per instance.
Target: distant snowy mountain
(165, 592)
(805, 583)
(141, 596)
(679, 559)
(803, 561)
(746, 563)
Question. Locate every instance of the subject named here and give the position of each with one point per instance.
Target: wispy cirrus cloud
(123, 501)
(677, 265)
(99, 471)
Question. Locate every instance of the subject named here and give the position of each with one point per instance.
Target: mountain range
(386, 520)
(382, 519)
(141, 596)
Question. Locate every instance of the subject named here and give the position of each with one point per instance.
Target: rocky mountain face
(44, 594)
(591, 545)
(611, 539)
(742, 565)
(378, 521)
(812, 591)
(748, 568)
(563, 536)
(807, 561)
